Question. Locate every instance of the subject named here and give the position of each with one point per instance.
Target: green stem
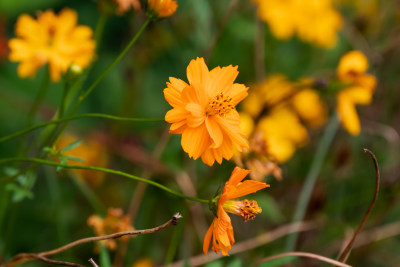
(311, 177)
(107, 70)
(99, 29)
(120, 173)
(39, 97)
(86, 115)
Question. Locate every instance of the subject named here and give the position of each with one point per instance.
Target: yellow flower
(313, 21)
(221, 229)
(114, 222)
(204, 111)
(277, 105)
(91, 150)
(162, 8)
(53, 40)
(351, 70)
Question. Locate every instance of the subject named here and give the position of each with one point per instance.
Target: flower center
(246, 209)
(220, 105)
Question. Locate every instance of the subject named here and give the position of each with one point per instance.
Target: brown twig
(250, 243)
(303, 254)
(93, 262)
(24, 257)
(65, 263)
(343, 256)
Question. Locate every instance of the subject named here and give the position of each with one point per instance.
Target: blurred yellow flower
(204, 111)
(162, 8)
(315, 22)
(277, 107)
(352, 71)
(53, 40)
(114, 222)
(91, 150)
(221, 229)
(143, 262)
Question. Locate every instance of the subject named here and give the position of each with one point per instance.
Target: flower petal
(348, 116)
(221, 79)
(195, 141)
(197, 72)
(238, 92)
(247, 187)
(207, 238)
(215, 131)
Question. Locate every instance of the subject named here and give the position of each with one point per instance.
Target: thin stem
(120, 173)
(86, 115)
(349, 246)
(311, 177)
(303, 254)
(39, 97)
(121, 55)
(24, 257)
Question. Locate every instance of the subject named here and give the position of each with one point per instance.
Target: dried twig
(93, 262)
(303, 254)
(343, 256)
(24, 257)
(250, 243)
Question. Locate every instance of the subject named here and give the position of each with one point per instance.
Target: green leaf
(21, 188)
(71, 146)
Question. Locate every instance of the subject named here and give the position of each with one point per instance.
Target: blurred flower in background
(161, 8)
(204, 111)
(114, 222)
(221, 229)
(51, 39)
(352, 71)
(91, 151)
(316, 22)
(126, 5)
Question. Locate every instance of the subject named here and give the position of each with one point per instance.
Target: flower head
(51, 39)
(162, 8)
(125, 5)
(352, 71)
(204, 111)
(221, 230)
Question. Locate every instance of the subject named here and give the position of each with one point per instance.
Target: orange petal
(238, 92)
(215, 132)
(197, 72)
(195, 141)
(247, 187)
(221, 79)
(207, 238)
(176, 115)
(238, 174)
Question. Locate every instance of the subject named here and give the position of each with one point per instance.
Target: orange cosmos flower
(221, 229)
(55, 40)
(352, 70)
(162, 8)
(204, 111)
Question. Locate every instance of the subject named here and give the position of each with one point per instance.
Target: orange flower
(204, 111)
(55, 40)
(351, 70)
(125, 5)
(162, 8)
(221, 229)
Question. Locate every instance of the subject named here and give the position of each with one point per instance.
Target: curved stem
(86, 115)
(303, 254)
(106, 170)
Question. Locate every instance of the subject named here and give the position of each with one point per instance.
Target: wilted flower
(114, 222)
(204, 111)
(125, 5)
(53, 40)
(161, 8)
(316, 22)
(221, 229)
(352, 71)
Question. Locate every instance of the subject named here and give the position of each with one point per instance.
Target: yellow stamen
(220, 105)
(246, 209)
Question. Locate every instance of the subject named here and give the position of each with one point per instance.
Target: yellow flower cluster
(278, 108)
(316, 22)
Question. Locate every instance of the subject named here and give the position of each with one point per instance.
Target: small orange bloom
(204, 111)
(221, 229)
(125, 5)
(352, 70)
(55, 40)
(162, 8)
